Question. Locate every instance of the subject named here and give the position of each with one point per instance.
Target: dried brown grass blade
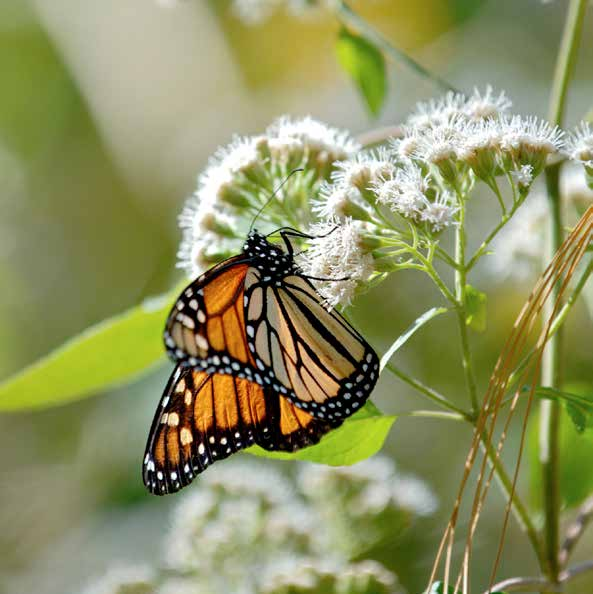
(515, 355)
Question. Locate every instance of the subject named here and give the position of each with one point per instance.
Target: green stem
(445, 257)
(438, 281)
(565, 62)
(434, 414)
(493, 185)
(349, 17)
(426, 391)
(552, 361)
(484, 246)
(517, 506)
(550, 410)
(460, 298)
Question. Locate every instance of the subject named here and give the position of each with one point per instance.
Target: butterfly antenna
(274, 193)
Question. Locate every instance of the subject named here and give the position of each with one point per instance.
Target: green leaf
(475, 303)
(358, 438)
(464, 9)
(366, 65)
(110, 353)
(576, 453)
(578, 406)
(403, 338)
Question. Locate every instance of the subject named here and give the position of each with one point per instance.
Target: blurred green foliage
(576, 452)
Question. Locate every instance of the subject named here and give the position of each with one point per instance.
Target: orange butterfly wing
(206, 417)
(276, 331)
(207, 322)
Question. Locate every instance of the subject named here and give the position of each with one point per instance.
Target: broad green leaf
(475, 309)
(358, 438)
(576, 453)
(110, 353)
(366, 66)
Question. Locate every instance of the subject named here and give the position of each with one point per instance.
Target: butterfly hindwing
(204, 417)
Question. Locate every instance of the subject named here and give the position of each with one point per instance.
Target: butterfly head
(270, 259)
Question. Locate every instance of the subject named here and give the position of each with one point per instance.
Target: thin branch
(576, 529)
(426, 391)
(575, 570)
(525, 584)
(529, 584)
(484, 246)
(461, 298)
(434, 414)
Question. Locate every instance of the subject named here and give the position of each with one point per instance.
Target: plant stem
(426, 391)
(460, 297)
(552, 361)
(349, 17)
(576, 530)
(567, 54)
(518, 507)
(529, 584)
(484, 246)
(435, 414)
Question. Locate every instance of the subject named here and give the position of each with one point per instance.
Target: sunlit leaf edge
(111, 353)
(360, 437)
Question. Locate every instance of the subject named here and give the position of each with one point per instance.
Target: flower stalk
(460, 295)
(552, 362)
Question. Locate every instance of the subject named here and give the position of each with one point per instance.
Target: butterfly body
(260, 359)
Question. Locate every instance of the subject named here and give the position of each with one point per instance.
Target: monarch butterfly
(259, 359)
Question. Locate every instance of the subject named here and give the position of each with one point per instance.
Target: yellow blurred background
(108, 110)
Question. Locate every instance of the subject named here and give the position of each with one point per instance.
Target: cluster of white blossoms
(519, 249)
(579, 148)
(250, 528)
(241, 178)
(358, 501)
(256, 12)
(372, 211)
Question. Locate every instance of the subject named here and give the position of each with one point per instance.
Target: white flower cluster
(311, 576)
(519, 248)
(251, 529)
(579, 147)
(358, 501)
(242, 177)
(370, 212)
(337, 254)
(256, 12)
(391, 203)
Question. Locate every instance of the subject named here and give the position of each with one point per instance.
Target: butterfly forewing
(206, 326)
(321, 363)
